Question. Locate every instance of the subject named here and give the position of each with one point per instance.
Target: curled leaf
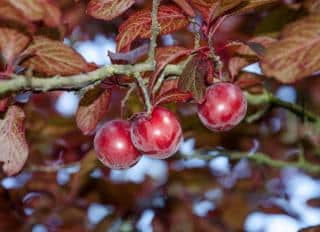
(132, 56)
(13, 146)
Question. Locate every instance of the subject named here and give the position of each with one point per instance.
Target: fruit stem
(144, 91)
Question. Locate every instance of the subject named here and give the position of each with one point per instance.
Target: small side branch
(264, 159)
(268, 98)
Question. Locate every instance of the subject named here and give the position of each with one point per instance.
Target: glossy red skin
(158, 135)
(114, 147)
(224, 106)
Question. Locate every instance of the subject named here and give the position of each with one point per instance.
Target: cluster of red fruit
(119, 144)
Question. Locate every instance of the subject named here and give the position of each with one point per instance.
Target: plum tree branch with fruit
(202, 76)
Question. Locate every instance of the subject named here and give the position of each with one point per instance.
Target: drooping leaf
(173, 95)
(186, 7)
(138, 25)
(51, 57)
(12, 43)
(13, 146)
(296, 55)
(108, 9)
(248, 52)
(93, 108)
(193, 77)
(164, 56)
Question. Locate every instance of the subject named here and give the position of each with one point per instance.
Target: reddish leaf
(224, 6)
(186, 7)
(74, 16)
(193, 77)
(249, 5)
(173, 95)
(4, 104)
(8, 12)
(211, 72)
(246, 53)
(13, 146)
(206, 8)
(138, 25)
(12, 43)
(313, 6)
(31, 9)
(296, 55)
(52, 57)
(168, 85)
(52, 14)
(132, 56)
(164, 56)
(108, 9)
(93, 108)
(250, 82)
(211, 9)
(311, 229)
(36, 10)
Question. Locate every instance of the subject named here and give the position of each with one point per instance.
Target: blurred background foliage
(64, 188)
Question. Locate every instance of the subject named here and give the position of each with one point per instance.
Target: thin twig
(261, 158)
(268, 98)
(126, 98)
(144, 92)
